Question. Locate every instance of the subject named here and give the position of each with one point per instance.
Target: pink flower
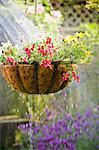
(51, 54)
(42, 51)
(73, 74)
(65, 76)
(47, 63)
(28, 52)
(10, 60)
(75, 77)
(78, 79)
(25, 60)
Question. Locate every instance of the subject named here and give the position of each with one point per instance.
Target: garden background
(18, 22)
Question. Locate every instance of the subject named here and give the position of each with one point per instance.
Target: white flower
(4, 46)
(49, 18)
(30, 10)
(40, 9)
(57, 14)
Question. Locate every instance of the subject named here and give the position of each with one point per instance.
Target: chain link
(59, 26)
(50, 5)
(27, 4)
(35, 10)
(36, 3)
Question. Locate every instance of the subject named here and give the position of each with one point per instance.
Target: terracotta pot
(35, 79)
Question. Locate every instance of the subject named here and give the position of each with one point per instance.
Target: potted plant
(47, 65)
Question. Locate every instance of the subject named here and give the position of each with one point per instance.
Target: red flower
(47, 63)
(39, 47)
(78, 79)
(32, 48)
(28, 52)
(75, 77)
(25, 60)
(10, 60)
(48, 41)
(65, 76)
(51, 46)
(51, 54)
(73, 74)
(42, 51)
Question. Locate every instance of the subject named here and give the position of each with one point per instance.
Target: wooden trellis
(76, 15)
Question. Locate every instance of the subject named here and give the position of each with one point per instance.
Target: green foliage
(93, 30)
(89, 145)
(76, 48)
(92, 4)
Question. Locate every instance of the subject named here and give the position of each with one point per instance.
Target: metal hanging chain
(21, 38)
(35, 8)
(36, 3)
(27, 4)
(51, 7)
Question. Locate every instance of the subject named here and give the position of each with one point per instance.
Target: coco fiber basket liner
(34, 78)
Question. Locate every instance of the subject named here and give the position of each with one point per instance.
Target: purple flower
(23, 128)
(90, 135)
(71, 139)
(64, 94)
(64, 133)
(61, 122)
(41, 146)
(97, 122)
(29, 116)
(88, 113)
(48, 113)
(76, 135)
(79, 116)
(36, 130)
(57, 141)
(70, 146)
(97, 138)
(77, 126)
(97, 107)
(85, 125)
(96, 116)
(69, 130)
(97, 147)
(64, 141)
(68, 117)
(49, 138)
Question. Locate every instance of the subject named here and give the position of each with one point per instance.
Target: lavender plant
(69, 133)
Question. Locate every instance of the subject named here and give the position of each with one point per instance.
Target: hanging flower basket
(34, 78)
(45, 66)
